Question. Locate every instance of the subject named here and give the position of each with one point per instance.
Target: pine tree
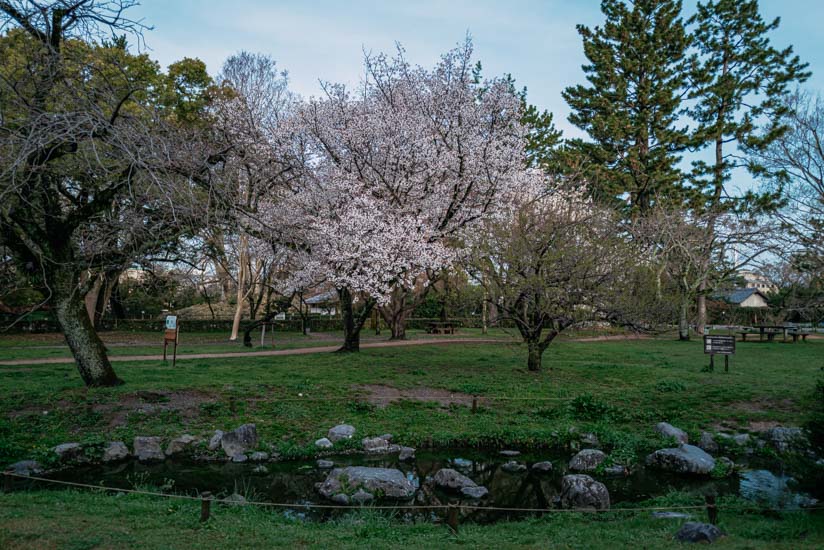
(631, 105)
(739, 84)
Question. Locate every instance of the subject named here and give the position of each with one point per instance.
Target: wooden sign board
(170, 335)
(719, 345)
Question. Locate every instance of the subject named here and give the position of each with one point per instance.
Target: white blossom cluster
(396, 175)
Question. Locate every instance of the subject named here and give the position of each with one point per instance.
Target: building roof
(323, 298)
(737, 296)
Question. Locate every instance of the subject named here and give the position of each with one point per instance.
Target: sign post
(719, 345)
(171, 335)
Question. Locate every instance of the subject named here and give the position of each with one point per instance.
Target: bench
(796, 334)
(744, 334)
(441, 328)
(770, 334)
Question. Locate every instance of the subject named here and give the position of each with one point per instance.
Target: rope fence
(206, 499)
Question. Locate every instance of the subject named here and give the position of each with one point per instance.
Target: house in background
(325, 303)
(757, 281)
(745, 297)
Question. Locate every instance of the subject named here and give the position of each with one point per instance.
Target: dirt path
(230, 355)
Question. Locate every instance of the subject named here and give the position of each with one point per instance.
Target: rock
(581, 491)
(115, 451)
(387, 437)
(260, 469)
(69, 452)
(616, 470)
(361, 497)
(214, 442)
(241, 439)
(148, 449)
(239, 458)
(448, 478)
(323, 443)
(542, 467)
(784, 439)
(341, 431)
(388, 482)
(407, 453)
(671, 515)
(686, 459)
(375, 444)
(587, 460)
(668, 430)
(707, 443)
(340, 498)
(513, 467)
(475, 492)
(324, 464)
(698, 532)
(26, 468)
(510, 453)
(179, 444)
(235, 499)
(727, 462)
(591, 440)
(259, 456)
(741, 440)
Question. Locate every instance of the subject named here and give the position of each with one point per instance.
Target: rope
(401, 506)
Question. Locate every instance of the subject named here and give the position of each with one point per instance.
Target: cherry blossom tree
(396, 172)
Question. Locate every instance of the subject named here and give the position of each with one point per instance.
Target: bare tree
(92, 172)
(555, 260)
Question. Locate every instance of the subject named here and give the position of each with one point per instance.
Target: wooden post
(205, 506)
(712, 362)
(474, 404)
(7, 481)
(712, 509)
(452, 518)
(726, 363)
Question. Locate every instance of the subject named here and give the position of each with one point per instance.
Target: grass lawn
(88, 520)
(617, 389)
(36, 346)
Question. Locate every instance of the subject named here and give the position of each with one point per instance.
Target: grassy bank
(69, 519)
(617, 389)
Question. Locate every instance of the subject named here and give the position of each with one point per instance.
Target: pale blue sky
(535, 40)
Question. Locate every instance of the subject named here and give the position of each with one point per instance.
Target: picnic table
(772, 330)
(440, 327)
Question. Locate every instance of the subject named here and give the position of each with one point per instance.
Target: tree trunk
(701, 321)
(86, 347)
(684, 322)
(352, 320)
(241, 294)
(535, 353)
(394, 313)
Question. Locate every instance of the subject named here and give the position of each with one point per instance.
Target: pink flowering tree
(396, 173)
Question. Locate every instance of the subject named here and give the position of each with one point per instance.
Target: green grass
(89, 520)
(617, 389)
(43, 346)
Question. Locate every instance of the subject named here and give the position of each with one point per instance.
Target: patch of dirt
(765, 405)
(762, 426)
(185, 402)
(381, 396)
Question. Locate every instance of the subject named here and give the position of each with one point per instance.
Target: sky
(314, 40)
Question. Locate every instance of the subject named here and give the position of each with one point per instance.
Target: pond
(295, 482)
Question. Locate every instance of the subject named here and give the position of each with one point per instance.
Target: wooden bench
(441, 328)
(745, 333)
(796, 334)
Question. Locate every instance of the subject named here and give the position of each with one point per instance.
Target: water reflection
(295, 482)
